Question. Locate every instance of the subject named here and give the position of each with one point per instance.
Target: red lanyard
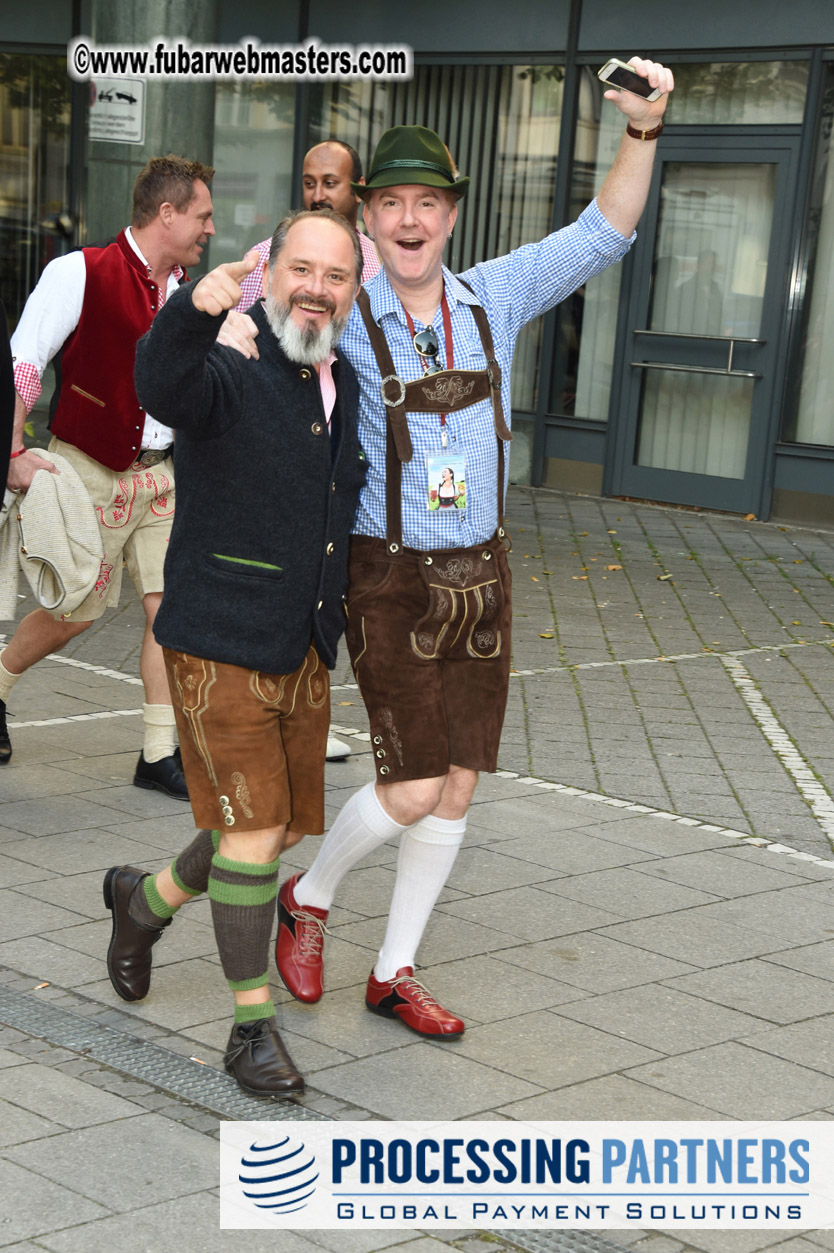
(447, 331)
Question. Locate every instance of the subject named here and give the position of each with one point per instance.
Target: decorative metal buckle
(392, 404)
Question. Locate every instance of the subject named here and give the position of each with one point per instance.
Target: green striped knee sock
(242, 896)
(189, 870)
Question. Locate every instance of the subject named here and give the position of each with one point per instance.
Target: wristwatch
(652, 134)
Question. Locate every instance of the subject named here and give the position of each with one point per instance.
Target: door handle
(696, 369)
(727, 371)
(724, 339)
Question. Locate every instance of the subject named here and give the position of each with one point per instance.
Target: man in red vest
(91, 307)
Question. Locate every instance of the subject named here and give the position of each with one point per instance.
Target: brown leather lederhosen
(429, 631)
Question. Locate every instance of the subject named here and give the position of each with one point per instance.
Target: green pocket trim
(245, 561)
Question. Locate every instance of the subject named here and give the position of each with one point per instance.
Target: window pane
(713, 237)
(501, 124)
(812, 420)
(717, 93)
(695, 422)
(587, 321)
(253, 149)
(34, 172)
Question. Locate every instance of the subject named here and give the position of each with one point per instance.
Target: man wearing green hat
(429, 600)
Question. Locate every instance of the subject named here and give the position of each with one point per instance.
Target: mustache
(320, 204)
(324, 301)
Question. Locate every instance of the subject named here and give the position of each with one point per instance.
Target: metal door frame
(621, 476)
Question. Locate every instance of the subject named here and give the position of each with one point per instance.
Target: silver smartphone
(617, 74)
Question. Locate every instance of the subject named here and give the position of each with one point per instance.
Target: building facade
(699, 372)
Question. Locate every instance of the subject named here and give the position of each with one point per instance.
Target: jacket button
(319, 605)
(317, 428)
(305, 374)
(329, 550)
(332, 487)
(229, 820)
(224, 800)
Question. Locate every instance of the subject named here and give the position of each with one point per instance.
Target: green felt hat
(411, 154)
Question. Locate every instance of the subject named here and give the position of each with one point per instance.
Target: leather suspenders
(445, 392)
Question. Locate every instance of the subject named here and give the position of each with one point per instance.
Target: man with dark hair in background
(326, 176)
(91, 307)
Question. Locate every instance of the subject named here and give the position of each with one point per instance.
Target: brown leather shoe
(129, 954)
(256, 1056)
(5, 742)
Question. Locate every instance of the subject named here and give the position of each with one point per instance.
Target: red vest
(97, 408)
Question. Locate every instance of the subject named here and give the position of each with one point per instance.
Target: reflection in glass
(732, 93)
(711, 250)
(35, 225)
(587, 320)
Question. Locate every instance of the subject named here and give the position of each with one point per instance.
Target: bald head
(326, 176)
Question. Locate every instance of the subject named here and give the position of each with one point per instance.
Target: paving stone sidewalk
(638, 927)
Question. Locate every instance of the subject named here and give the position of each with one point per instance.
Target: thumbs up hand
(219, 290)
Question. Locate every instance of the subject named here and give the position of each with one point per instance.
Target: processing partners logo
(278, 1175)
(423, 1176)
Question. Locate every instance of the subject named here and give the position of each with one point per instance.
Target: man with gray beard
(269, 470)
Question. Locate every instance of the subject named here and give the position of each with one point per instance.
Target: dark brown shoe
(129, 954)
(5, 742)
(256, 1056)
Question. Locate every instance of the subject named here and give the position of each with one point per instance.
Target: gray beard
(309, 346)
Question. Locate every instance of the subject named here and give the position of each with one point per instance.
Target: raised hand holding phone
(639, 88)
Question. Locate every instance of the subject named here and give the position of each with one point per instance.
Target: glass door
(702, 363)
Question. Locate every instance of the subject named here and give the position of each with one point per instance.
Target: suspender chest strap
(445, 392)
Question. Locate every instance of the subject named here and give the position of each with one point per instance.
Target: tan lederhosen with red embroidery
(463, 585)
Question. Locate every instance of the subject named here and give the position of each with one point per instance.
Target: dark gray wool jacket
(256, 567)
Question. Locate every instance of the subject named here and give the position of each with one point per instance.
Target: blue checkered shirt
(513, 290)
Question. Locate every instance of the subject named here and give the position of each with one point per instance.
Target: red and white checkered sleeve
(27, 384)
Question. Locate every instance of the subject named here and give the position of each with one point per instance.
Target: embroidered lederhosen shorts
(135, 511)
(253, 744)
(429, 642)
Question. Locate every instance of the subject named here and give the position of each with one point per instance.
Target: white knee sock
(361, 826)
(427, 854)
(160, 731)
(7, 681)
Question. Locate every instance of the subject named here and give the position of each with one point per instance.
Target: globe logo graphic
(279, 1176)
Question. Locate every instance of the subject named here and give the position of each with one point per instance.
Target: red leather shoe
(406, 998)
(299, 949)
